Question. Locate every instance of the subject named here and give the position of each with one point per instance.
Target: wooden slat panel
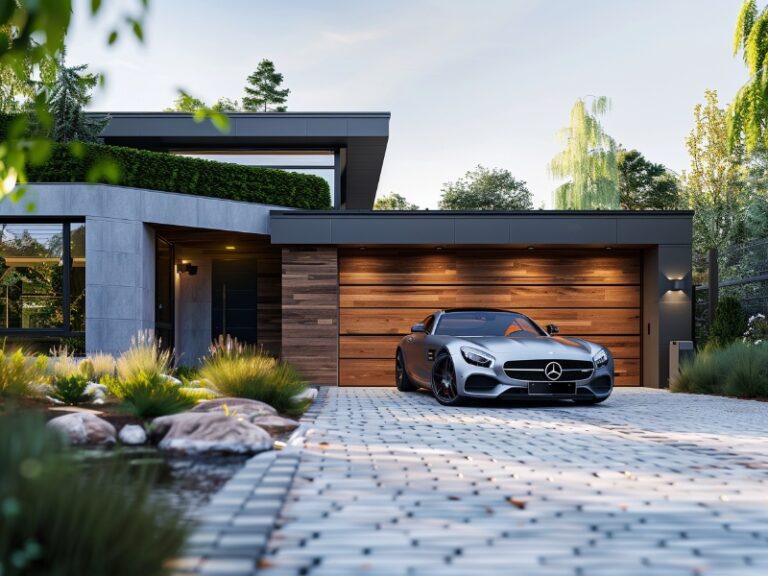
(310, 312)
(381, 372)
(409, 267)
(500, 267)
(510, 297)
(384, 346)
(376, 321)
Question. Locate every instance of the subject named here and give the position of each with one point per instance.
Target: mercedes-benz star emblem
(553, 371)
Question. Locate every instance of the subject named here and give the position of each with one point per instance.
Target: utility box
(680, 352)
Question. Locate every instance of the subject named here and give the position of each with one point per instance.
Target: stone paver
(379, 482)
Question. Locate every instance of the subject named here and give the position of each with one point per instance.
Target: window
(42, 278)
(486, 323)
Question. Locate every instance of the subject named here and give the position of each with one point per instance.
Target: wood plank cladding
(310, 296)
(593, 294)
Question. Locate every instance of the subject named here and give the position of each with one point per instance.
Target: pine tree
(263, 93)
(68, 95)
(588, 159)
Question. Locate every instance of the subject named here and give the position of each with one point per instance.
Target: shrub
(757, 329)
(186, 373)
(738, 369)
(255, 376)
(174, 173)
(729, 323)
(71, 389)
(145, 356)
(150, 394)
(56, 520)
(103, 365)
(18, 372)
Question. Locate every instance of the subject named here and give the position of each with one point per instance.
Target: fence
(740, 271)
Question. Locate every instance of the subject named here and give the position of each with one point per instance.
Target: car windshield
(485, 323)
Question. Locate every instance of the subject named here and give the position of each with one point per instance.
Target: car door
(427, 352)
(414, 351)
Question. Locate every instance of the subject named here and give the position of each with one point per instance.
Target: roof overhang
(445, 228)
(363, 135)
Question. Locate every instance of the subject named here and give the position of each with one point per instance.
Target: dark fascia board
(364, 134)
(536, 227)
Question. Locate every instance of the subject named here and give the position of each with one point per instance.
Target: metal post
(713, 283)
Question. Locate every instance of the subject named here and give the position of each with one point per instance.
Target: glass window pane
(77, 277)
(31, 276)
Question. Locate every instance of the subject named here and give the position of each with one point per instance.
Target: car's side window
(429, 321)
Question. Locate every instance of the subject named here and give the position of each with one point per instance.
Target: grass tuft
(148, 395)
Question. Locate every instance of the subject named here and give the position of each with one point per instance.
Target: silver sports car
(487, 353)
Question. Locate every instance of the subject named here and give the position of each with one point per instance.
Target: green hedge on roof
(172, 173)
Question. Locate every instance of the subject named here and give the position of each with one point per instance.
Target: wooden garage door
(382, 292)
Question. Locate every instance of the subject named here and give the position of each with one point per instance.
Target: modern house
(330, 291)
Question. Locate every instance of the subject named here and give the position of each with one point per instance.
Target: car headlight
(476, 357)
(600, 359)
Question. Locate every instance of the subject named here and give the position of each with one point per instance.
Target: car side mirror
(418, 328)
(552, 329)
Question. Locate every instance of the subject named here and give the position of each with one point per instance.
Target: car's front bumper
(479, 382)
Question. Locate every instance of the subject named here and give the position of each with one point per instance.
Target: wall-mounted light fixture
(677, 285)
(187, 267)
(230, 247)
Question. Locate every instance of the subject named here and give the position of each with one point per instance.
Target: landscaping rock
(275, 424)
(308, 394)
(84, 428)
(204, 432)
(133, 435)
(247, 409)
(97, 392)
(170, 378)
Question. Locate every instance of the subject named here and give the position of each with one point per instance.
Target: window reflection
(77, 277)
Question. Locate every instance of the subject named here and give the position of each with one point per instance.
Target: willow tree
(589, 160)
(748, 113)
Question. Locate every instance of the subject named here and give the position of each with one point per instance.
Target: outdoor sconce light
(186, 267)
(678, 285)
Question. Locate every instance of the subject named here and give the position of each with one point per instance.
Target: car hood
(533, 346)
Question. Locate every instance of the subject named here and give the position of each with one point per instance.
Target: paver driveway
(647, 483)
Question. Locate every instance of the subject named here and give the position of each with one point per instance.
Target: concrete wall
(193, 313)
(120, 251)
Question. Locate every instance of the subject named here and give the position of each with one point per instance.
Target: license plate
(551, 388)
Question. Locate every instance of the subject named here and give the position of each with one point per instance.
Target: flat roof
(363, 134)
(445, 227)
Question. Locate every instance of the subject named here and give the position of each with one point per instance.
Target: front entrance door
(234, 307)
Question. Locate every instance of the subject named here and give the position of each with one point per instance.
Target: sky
(486, 82)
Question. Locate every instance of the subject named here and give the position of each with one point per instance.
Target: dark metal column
(713, 284)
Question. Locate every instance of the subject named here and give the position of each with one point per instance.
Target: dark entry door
(234, 309)
(164, 288)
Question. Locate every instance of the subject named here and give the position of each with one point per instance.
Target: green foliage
(56, 520)
(588, 159)
(644, 185)
(67, 97)
(17, 372)
(715, 185)
(729, 323)
(226, 105)
(256, 376)
(263, 93)
(145, 356)
(185, 103)
(171, 173)
(187, 373)
(748, 113)
(486, 189)
(757, 329)
(71, 389)
(393, 201)
(31, 38)
(149, 395)
(102, 364)
(739, 370)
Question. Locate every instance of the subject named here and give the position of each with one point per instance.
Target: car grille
(533, 370)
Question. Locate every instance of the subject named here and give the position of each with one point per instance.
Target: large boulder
(84, 429)
(204, 432)
(133, 435)
(275, 424)
(242, 407)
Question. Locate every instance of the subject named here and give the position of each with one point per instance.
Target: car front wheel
(444, 385)
(404, 383)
